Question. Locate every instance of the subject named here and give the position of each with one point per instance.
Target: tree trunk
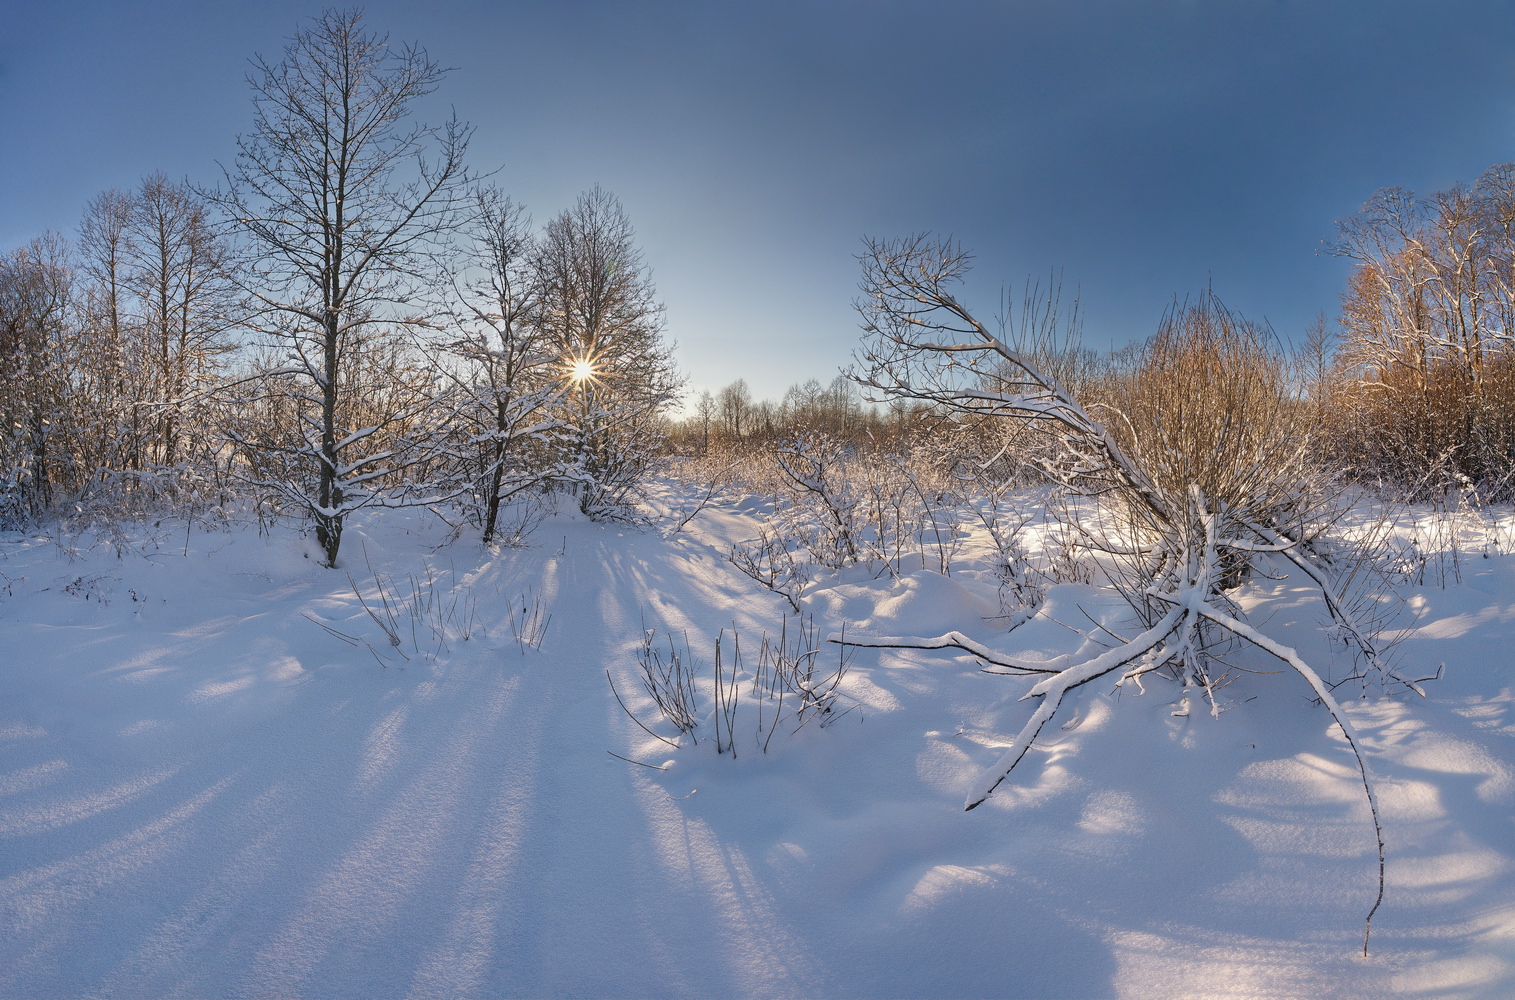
(329, 517)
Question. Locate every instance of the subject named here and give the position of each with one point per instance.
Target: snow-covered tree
(36, 292)
(187, 307)
(337, 201)
(600, 314)
(509, 381)
(159, 310)
(1427, 384)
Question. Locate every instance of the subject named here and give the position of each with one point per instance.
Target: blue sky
(1144, 149)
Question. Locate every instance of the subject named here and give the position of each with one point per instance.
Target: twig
(632, 717)
(628, 760)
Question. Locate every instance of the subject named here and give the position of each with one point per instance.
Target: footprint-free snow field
(227, 771)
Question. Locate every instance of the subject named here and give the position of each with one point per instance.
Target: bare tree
(337, 201)
(156, 313)
(36, 293)
(803, 402)
(187, 305)
(704, 415)
(734, 402)
(1428, 352)
(601, 315)
(511, 380)
(1316, 361)
(104, 251)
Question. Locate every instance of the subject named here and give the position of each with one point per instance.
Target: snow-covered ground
(206, 792)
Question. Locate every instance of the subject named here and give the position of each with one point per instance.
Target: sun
(581, 370)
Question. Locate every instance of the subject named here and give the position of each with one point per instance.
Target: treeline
(733, 415)
(1421, 392)
(350, 318)
(1411, 390)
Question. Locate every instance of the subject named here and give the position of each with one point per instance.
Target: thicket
(1177, 468)
(1421, 393)
(1195, 467)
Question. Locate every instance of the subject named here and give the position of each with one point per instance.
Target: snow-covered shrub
(824, 499)
(837, 504)
(670, 682)
(777, 563)
(909, 511)
(1203, 477)
(1208, 405)
(792, 664)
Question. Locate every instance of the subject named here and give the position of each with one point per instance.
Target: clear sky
(1145, 149)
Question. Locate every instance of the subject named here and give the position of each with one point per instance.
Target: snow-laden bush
(838, 504)
(1197, 466)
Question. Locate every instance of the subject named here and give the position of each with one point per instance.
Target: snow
(204, 793)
